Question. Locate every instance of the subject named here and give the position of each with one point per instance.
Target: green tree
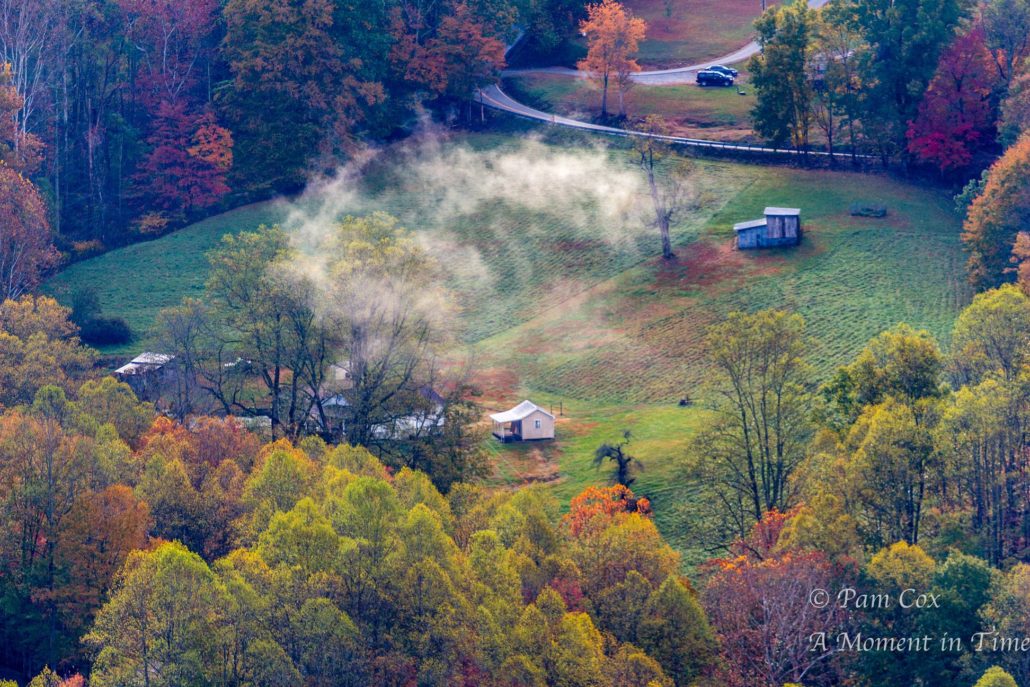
(995, 676)
(1008, 611)
(991, 336)
(901, 362)
(108, 400)
(576, 656)
(891, 571)
(675, 632)
(158, 628)
(890, 471)
(625, 464)
(905, 40)
(757, 440)
(783, 112)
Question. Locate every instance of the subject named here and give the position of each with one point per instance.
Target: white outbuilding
(525, 422)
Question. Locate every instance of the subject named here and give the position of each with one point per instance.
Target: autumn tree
(100, 531)
(956, 116)
(1015, 109)
(188, 164)
(1006, 26)
(905, 40)
(26, 252)
(22, 151)
(305, 76)
(613, 37)
(750, 451)
(996, 216)
(452, 51)
(39, 346)
(758, 600)
(1021, 259)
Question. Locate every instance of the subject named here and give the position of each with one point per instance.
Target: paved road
(663, 77)
(495, 97)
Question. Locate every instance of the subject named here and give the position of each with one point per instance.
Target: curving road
(496, 98)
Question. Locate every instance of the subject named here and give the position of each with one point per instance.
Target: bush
(868, 210)
(105, 331)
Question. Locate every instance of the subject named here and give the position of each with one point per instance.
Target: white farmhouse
(525, 422)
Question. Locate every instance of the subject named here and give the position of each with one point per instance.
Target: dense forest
(137, 116)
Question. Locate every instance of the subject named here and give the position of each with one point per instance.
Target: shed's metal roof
(781, 211)
(753, 224)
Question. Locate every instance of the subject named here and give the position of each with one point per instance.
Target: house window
(536, 424)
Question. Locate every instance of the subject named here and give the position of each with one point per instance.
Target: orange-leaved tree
(996, 216)
(613, 37)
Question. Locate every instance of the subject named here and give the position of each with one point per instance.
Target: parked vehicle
(728, 71)
(713, 78)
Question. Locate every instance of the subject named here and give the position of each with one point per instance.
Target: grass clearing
(137, 281)
(688, 109)
(613, 335)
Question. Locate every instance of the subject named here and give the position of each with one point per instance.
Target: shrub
(105, 331)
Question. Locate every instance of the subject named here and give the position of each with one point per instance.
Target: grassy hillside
(581, 317)
(137, 281)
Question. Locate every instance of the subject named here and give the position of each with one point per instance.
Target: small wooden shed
(780, 227)
(525, 422)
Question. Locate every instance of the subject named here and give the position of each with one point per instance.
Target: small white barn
(525, 422)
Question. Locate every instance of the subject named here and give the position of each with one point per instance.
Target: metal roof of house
(519, 412)
(144, 361)
(775, 212)
(741, 226)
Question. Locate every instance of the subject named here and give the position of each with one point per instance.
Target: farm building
(780, 227)
(525, 422)
(148, 374)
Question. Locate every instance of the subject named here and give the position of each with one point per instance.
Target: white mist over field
(435, 186)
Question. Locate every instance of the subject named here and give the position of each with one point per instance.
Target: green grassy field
(689, 110)
(596, 325)
(136, 282)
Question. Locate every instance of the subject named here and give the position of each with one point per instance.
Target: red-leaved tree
(956, 117)
(25, 248)
(168, 37)
(189, 160)
(760, 600)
